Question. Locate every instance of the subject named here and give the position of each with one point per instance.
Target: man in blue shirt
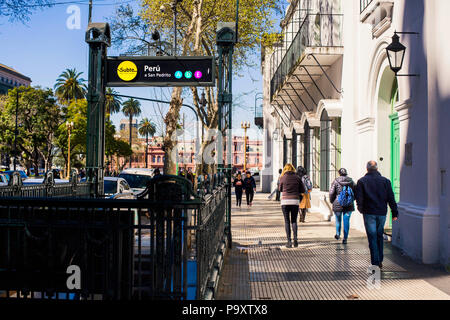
(373, 194)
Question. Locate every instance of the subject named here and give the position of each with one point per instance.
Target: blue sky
(44, 47)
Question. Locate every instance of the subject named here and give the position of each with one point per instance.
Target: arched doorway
(388, 133)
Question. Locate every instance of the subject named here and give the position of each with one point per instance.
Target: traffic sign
(146, 71)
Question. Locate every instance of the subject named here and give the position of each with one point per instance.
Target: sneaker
(344, 241)
(289, 245)
(337, 237)
(295, 244)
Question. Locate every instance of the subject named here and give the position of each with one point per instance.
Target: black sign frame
(112, 80)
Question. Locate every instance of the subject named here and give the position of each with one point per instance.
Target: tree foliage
(21, 10)
(38, 117)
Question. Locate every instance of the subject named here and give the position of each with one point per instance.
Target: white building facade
(332, 101)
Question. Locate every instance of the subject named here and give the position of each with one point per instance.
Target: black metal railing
(364, 4)
(124, 249)
(47, 189)
(316, 30)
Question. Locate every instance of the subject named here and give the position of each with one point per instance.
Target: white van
(137, 178)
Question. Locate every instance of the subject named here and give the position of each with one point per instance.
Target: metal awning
(301, 88)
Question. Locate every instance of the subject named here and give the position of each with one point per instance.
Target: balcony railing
(364, 4)
(317, 30)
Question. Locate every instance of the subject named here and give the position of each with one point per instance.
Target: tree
(131, 108)
(38, 118)
(76, 112)
(112, 103)
(20, 10)
(197, 23)
(146, 128)
(69, 86)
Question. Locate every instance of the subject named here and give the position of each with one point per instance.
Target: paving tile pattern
(260, 267)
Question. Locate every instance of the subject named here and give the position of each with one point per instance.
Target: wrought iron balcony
(364, 4)
(316, 31)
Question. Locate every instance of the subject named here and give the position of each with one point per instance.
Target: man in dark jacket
(373, 194)
(250, 188)
(342, 212)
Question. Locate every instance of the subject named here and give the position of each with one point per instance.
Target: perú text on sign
(129, 71)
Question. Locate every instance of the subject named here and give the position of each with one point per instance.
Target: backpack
(346, 197)
(308, 184)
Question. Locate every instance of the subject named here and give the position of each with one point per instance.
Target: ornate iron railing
(364, 4)
(162, 246)
(316, 30)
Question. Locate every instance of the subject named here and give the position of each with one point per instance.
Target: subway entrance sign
(143, 71)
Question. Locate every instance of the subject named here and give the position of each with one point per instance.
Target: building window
(330, 150)
(307, 149)
(325, 132)
(294, 149)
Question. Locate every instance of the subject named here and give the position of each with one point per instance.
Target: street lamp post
(16, 131)
(245, 125)
(396, 54)
(117, 137)
(69, 126)
(174, 8)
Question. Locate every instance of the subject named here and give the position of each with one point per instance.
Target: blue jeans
(375, 234)
(346, 216)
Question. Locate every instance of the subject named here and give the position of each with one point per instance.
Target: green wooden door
(395, 154)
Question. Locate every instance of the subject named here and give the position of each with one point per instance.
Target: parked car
(137, 178)
(117, 188)
(22, 173)
(4, 181)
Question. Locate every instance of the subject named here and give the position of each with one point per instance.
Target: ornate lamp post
(245, 125)
(396, 54)
(69, 126)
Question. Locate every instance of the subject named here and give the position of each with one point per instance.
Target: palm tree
(146, 128)
(112, 102)
(69, 86)
(131, 108)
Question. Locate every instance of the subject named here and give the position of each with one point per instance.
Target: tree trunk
(131, 145)
(146, 151)
(172, 115)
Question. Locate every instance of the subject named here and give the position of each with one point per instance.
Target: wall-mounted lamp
(396, 54)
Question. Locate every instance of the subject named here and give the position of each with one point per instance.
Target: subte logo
(127, 71)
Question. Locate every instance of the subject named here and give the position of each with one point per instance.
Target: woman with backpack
(305, 204)
(342, 195)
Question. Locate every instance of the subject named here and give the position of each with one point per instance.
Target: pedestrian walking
(190, 176)
(373, 194)
(278, 186)
(305, 203)
(250, 188)
(238, 184)
(342, 196)
(291, 188)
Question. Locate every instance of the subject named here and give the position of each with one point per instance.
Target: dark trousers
(278, 195)
(375, 234)
(238, 198)
(290, 219)
(249, 193)
(303, 215)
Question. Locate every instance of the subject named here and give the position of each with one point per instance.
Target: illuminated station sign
(160, 71)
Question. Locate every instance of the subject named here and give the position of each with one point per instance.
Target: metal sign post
(98, 37)
(226, 38)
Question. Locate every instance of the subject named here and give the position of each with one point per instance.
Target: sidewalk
(259, 267)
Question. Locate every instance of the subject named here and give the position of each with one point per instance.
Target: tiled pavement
(260, 268)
